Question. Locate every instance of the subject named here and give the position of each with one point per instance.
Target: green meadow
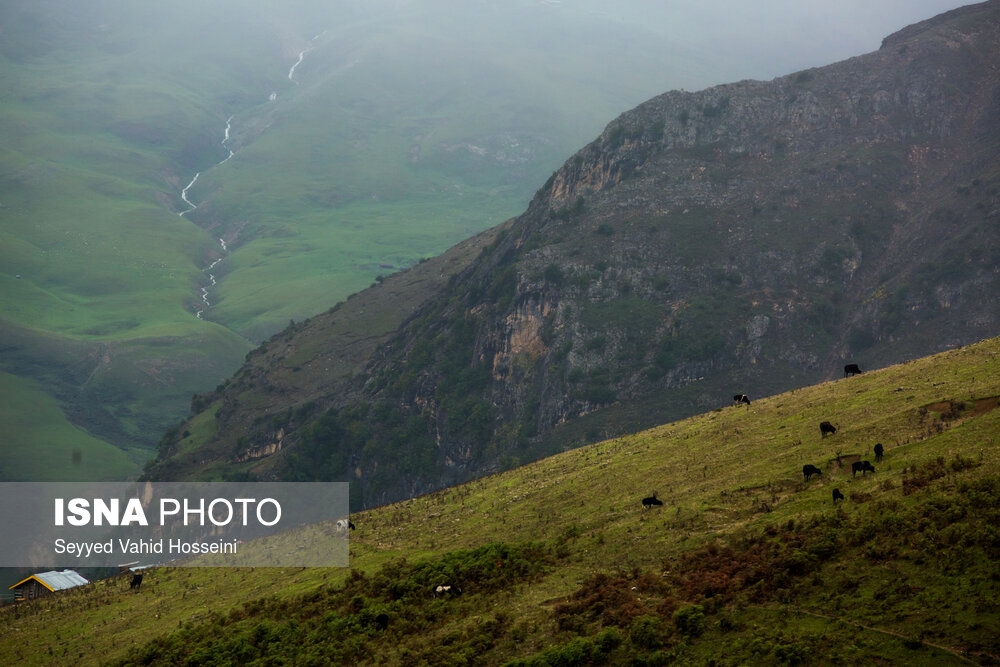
(42, 445)
(101, 277)
(558, 562)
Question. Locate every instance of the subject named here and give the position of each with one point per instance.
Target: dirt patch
(843, 461)
(981, 406)
(951, 410)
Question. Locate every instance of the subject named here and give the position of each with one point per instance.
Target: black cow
(864, 467)
(381, 621)
(851, 369)
(651, 501)
(837, 495)
(136, 581)
(741, 398)
(808, 470)
(827, 428)
(879, 450)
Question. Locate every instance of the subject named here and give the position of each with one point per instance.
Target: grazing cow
(879, 450)
(863, 467)
(649, 501)
(837, 495)
(827, 428)
(446, 590)
(741, 398)
(344, 525)
(851, 369)
(136, 581)
(382, 621)
(808, 470)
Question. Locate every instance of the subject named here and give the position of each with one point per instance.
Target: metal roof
(55, 580)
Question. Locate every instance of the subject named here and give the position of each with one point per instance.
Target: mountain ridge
(748, 238)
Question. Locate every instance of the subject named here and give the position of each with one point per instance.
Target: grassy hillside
(43, 445)
(559, 564)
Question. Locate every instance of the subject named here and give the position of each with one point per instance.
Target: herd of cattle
(808, 470)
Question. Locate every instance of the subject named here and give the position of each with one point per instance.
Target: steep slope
(245, 420)
(746, 562)
(750, 237)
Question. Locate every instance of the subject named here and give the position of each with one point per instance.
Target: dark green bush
(690, 620)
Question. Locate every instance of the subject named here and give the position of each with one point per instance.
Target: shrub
(711, 111)
(553, 274)
(645, 632)
(690, 620)
(616, 137)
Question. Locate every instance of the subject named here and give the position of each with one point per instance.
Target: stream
(212, 282)
(184, 195)
(302, 56)
(225, 140)
(191, 206)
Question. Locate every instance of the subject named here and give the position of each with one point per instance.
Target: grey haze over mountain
(728, 40)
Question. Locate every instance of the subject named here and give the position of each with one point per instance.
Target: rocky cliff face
(746, 238)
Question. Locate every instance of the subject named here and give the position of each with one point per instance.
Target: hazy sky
(771, 38)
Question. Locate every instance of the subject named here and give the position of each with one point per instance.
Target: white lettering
(200, 511)
(163, 509)
(78, 508)
(134, 513)
(104, 511)
(218, 547)
(243, 502)
(141, 546)
(211, 513)
(82, 549)
(277, 511)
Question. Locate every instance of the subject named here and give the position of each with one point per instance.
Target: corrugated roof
(55, 580)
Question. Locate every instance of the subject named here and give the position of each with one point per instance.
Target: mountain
(179, 180)
(558, 563)
(751, 237)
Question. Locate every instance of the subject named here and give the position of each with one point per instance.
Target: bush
(553, 274)
(616, 137)
(645, 632)
(690, 620)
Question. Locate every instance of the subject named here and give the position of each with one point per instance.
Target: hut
(44, 583)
